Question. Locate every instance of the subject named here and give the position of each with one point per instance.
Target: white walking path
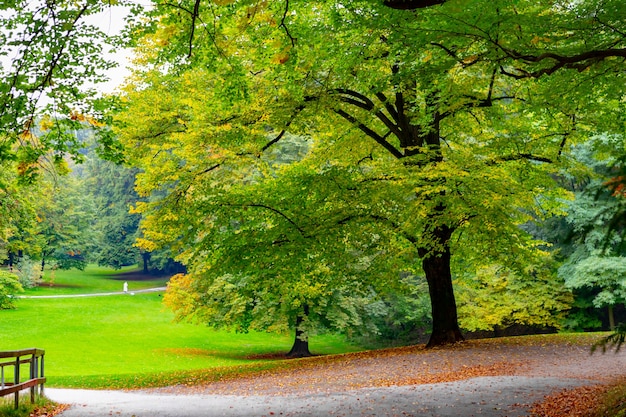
(502, 396)
(99, 294)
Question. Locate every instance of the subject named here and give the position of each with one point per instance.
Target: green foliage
(9, 286)
(407, 316)
(500, 297)
(606, 273)
(51, 59)
(111, 188)
(63, 228)
(289, 250)
(592, 247)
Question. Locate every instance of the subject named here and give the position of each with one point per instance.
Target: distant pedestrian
(126, 287)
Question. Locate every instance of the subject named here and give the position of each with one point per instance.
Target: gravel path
(475, 379)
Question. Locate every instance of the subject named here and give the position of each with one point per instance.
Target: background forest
(387, 170)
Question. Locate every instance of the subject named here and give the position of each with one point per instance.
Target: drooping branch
(284, 26)
(281, 214)
(273, 141)
(464, 62)
(522, 156)
(295, 114)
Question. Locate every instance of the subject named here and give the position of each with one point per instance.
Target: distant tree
(278, 258)
(63, 231)
(593, 248)
(17, 214)
(111, 187)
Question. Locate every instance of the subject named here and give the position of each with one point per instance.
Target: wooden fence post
(16, 381)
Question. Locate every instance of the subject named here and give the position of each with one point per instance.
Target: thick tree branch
(393, 112)
(281, 214)
(522, 156)
(369, 132)
(411, 4)
(194, 17)
(359, 100)
(284, 26)
(578, 62)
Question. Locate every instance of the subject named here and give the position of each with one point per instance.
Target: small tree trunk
(300, 348)
(611, 318)
(43, 264)
(11, 261)
(146, 258)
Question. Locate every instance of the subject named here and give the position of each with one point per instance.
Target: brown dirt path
(530, 357)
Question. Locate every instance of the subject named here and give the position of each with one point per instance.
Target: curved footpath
(509, 396)
(96, 294)
(493, 380)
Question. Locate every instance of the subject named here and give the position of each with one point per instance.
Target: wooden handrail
(22, 352)
(36, 375)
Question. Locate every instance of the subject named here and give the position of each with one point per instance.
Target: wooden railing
(35, 359)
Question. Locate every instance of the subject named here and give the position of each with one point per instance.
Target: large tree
(419, 107)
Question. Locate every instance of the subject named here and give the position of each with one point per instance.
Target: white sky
(111, 22)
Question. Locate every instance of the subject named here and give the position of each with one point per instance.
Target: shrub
(9, 286)
(28, 272)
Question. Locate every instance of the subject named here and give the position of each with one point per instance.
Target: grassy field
(94, 280)
(131, 340)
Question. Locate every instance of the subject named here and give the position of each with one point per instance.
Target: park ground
(550, 375)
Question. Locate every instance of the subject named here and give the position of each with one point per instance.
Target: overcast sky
(111, 22)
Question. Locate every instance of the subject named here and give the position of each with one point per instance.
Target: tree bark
(436, 265)
(611, 318)
(146, 258)
(300, 348)
(413, 139)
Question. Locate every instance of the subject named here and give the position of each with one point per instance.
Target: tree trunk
(300, 348)
(11, 261)
(146, 258)
(611, 318)
(436, 264)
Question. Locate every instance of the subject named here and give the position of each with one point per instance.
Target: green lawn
(131, 340)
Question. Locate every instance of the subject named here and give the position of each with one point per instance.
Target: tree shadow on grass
(138, 275)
